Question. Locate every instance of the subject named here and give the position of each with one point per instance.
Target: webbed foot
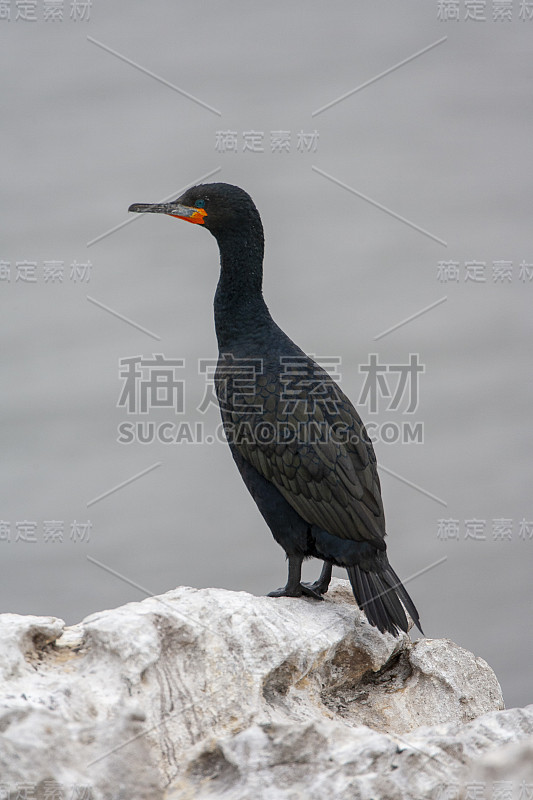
(296, 591)
(318, 587)
(321, 585)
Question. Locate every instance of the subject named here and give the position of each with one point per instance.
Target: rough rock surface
(507, 771)
(210, 693)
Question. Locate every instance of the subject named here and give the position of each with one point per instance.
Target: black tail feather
(374, 600)
(391, 602)
(395, 583)
(378, 594)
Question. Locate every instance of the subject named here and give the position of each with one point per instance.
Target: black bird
(298, 442)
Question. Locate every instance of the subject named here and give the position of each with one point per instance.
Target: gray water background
(444, 141)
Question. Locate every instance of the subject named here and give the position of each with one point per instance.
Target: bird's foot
(321, 585)
(318, 587)
(298, 590)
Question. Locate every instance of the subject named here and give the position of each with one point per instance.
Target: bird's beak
(188, 213)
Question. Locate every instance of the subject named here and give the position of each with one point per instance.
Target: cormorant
(298, 442)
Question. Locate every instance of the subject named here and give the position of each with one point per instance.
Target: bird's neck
(240, 310)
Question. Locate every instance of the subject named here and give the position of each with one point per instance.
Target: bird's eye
(200, 203)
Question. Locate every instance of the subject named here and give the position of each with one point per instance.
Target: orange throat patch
(197, 217)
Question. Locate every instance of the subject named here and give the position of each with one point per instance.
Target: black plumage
(297, 440)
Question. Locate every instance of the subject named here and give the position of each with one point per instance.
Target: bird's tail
(378, 594)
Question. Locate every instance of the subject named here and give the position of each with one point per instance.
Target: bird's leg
(294, 586)
(322, 584)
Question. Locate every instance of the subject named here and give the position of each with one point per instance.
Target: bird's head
(219, 207)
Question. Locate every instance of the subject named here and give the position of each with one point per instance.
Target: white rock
(509, 766)
(211, 693)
